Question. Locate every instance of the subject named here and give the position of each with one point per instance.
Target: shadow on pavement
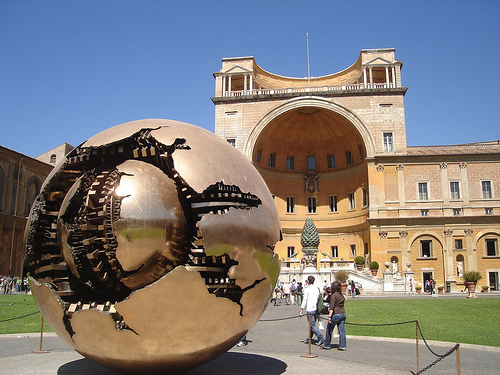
(227, 364)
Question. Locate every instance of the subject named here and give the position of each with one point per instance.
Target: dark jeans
(337, 319)
(314, 329)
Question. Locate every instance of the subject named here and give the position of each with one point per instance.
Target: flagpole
(308, 70)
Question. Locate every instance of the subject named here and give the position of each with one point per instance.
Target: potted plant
(484, 289)
(360, 262)
(470, 279)
(440, 289)
(418, 289)
(342, 276)
(374, 266)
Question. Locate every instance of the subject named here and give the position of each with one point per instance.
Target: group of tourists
(9, 285)
(289, 293)
(334, 299)
(430, 286)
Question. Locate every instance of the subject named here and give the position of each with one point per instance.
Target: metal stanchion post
(416, 329)
(41, 341)
(309, 355)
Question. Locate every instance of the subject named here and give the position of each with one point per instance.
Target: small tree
(341, 276)
(359, 260)
(374, 265)
(472, 276)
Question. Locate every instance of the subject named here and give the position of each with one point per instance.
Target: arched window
(32, 189)
(2, 185)
(53, 159)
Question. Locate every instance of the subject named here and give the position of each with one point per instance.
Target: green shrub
(359, 260)
(341, 276)
(472, 276)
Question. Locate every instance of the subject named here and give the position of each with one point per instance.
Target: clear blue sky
(70, 69)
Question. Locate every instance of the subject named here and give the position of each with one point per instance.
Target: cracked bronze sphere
(150, 247)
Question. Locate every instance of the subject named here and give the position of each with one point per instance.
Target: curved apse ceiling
(309, 131)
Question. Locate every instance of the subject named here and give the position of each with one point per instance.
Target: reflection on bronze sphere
(149, 248)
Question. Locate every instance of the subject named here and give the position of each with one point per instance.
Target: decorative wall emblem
(444, 165)
(399, 167)
(468, 232)
(448, 232)
(403, 234)
(380, 168)
(311, 181)
(382, 234)
(463, 165)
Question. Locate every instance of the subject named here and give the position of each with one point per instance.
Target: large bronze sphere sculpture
(150, 247)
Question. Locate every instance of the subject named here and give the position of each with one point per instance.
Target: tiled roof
(490, 147)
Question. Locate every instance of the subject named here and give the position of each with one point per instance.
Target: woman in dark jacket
(336, 316)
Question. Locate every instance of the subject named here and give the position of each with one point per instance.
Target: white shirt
(310, 301)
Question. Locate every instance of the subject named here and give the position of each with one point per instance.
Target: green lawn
(12, 306)
(456, 320)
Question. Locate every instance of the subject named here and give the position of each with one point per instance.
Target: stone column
(471, 251)
(445, 184)
(409, 280)
(388, 278)
(448, 254)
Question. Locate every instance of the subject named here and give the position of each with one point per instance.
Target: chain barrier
(437, 360)
(276, 319)
(440, 356)
(19, 317)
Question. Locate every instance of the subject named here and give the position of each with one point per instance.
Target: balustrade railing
(313, 89)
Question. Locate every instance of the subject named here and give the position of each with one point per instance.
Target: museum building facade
(334, 149)
(21, 178)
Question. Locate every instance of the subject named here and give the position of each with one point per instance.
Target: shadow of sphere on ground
(227, 364)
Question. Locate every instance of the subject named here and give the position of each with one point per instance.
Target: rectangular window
(425, 248)
(331, 161)
(290, 205)
(289, 162)
(311, 162)
(388, 142)
(488, 211)
(454, 190)
(362, 153)
(352, 202)
(348, 156)
(365, 197)
(457, 211)
(232, 141)
(459, 244)
(335, 251)
(257, 158)
(353, 251)
(311, 205)
(423, 193)
(424, 212)
(272, 160)
(486, 189)
(491, 247)
(291, 252)
(332, 203)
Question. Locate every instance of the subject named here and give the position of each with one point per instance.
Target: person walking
(310, 304)
(300, 293)
(336, 317)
